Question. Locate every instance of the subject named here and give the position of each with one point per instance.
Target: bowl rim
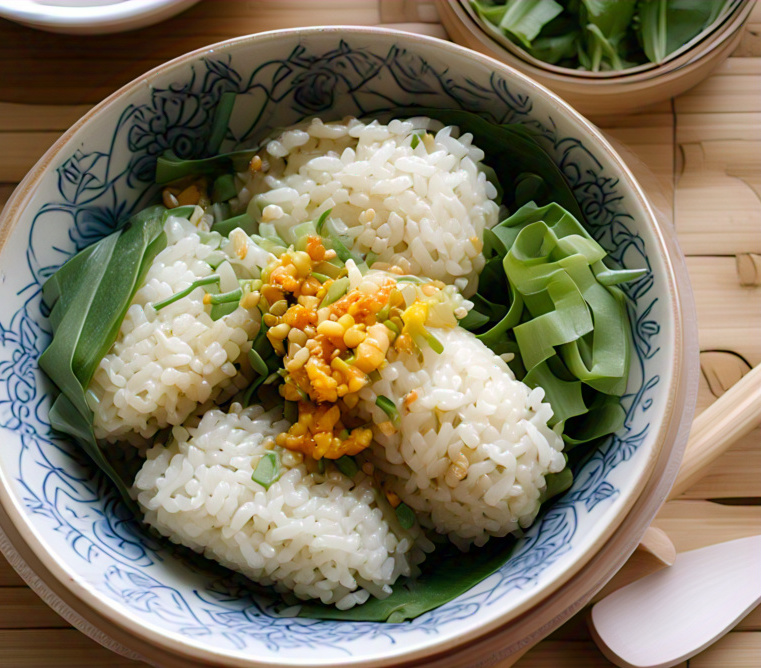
(88, 595)
(688, 55)
(101, 18)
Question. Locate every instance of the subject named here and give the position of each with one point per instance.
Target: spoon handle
(730, 417)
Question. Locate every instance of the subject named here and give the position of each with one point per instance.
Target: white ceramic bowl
(65, 529)
(91, 17)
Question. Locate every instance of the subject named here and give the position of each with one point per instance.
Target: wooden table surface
(704, 147)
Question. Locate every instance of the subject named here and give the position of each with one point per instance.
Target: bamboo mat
(704, 148)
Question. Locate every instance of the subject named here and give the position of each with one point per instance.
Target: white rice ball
(322, 536)
(423, 208)
(473, 445)
(165, 363)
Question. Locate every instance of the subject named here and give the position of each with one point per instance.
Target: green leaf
(571, 329)
(524, 19)
(219, 124)
(244, 221)
(88, 297)
(170, 168)
(443, 579)
(605, 416)
(321, 221)
(665, 25)
(556, 48)
(600, 34)
(473, 321)
(612, 17)
(557, 483)
(223, 188)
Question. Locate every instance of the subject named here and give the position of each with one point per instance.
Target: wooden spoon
(669, 616)
(673, 614)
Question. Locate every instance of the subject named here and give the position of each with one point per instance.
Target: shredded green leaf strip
(291, 411)
(320, 225)
(170, 167)
(347, 466)
(224, 188)
(231, 297)
(434, 343)
(320, 277)
(389, 408)
(261, 350)
(257, 363)
(206, 280)
(405, 515)
(220, 122)
(569, 328)
(267, 471)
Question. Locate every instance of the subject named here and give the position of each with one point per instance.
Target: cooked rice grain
(473, 446)
(423, 208)
(164, 364)
(321, 536)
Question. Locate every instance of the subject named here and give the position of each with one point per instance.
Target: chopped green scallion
(267, 471)
(226, 297)
(405, 515)
(389, 408)
(291, 411)
(224, 227)
(347, 466)
(321, 221)
(206, 280)
(180, 212)
(257, 363)
(435, 344)
(221, 310)
(336, 290)
(224, 188)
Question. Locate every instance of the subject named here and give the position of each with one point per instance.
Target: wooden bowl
(600, 93)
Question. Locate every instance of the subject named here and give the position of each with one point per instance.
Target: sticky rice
(473, 446)
(411, 192)
(164, 364)
(320, 535)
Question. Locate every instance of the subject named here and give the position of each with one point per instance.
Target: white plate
(90, 17)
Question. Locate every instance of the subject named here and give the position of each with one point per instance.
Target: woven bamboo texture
(703, 148)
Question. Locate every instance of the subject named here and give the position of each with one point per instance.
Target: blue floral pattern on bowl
(104, 178)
